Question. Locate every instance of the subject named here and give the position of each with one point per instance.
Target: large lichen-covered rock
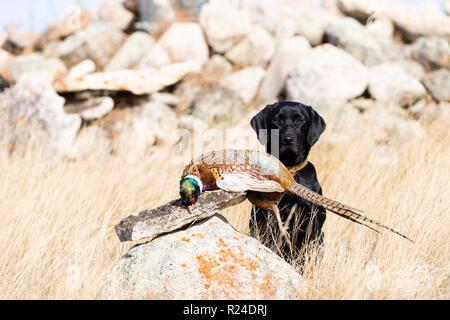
(35, 63)
(324, 75)
(432, 52)
(132, 51)
(412, 21)
(219, 106)
(245, 82)
(209, 260)
(99, 42)
(438, 83)
(143, 81)
(185, 41)
(389, 82)
(288, 52)
(364, 43)
(35, 114)
(223, 24)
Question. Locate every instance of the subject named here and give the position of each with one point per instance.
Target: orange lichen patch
(221, 269)
(10, 145)
(235, 238)
(30, 92)
(27, 123)
(266, 287)
(116, 226)
(61, 83)
(6, 73)
(183, 265)
(185, 239)
(19, 118)
(58, 74)
(221, 243)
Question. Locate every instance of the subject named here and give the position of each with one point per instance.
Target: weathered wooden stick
(174, 215)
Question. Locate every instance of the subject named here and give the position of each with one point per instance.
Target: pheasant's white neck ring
(197, 179)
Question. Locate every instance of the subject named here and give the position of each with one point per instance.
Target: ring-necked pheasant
(264, 178)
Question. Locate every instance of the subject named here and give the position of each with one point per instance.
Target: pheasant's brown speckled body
(264, 178)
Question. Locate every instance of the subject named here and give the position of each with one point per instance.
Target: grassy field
(57, 236)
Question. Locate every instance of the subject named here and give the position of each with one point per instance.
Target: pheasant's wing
(241, 181)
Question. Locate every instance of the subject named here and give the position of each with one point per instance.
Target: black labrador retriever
(288, 130)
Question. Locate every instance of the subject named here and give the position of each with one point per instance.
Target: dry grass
(57, 239)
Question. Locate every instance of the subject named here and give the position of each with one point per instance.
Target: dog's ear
(259, 123)
(316, 127)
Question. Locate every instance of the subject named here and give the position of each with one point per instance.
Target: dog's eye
(298, 121)
(277, 122)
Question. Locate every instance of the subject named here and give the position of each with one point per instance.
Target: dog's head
(295, 128)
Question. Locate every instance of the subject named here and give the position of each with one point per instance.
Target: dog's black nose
(288, 139)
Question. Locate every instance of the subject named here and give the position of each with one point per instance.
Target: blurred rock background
(129, 73)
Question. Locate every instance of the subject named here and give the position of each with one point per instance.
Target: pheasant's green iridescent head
(190, 188)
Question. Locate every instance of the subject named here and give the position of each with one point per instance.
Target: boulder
(81, 69)
(412, 68)
(223, 24)
(264, 13)
(132, 51)
(162, 120)
(151, 14)
(219, 107)
(288, 52)
(438, 83)
(184, 41)
(421, 280)
(385, 122)
(432, 52)
(344, 123)
(325, 75)
(363, 43)
(210, 76)
(79, 18)
(98, 42)
(389, 82)
(19, 37)
(91, 140)
(165, 98)
(114, 13)
(36, 63)
(156, 57)
(155, 123)
(413, 21)
(142, 81)
(208, 260)
(310, 22)
(245, 82)
(35, 113)
(255, 50)
(93, 108)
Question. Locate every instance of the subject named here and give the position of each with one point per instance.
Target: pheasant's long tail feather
(336, 207)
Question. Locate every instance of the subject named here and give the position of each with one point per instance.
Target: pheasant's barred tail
(337, 207)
